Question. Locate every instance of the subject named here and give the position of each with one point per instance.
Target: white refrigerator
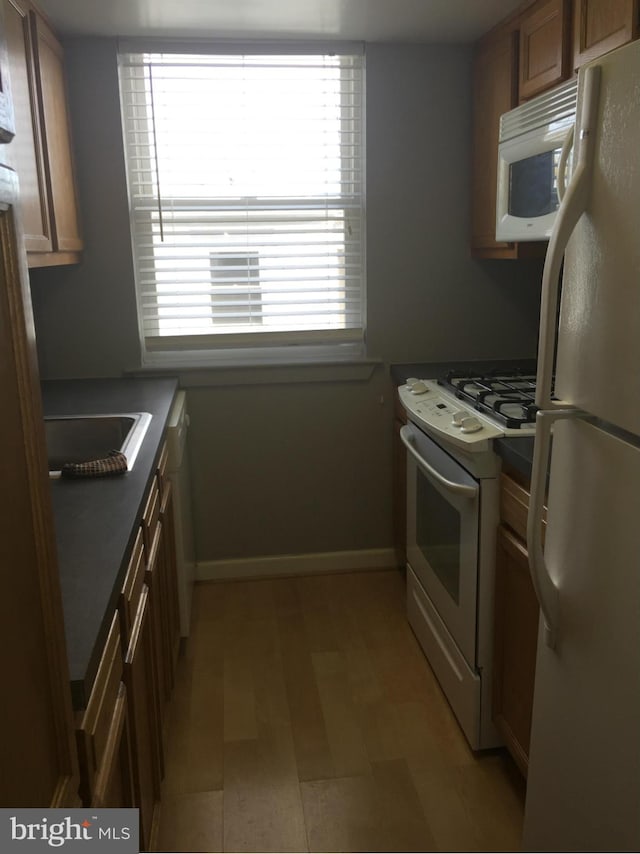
(583, 791)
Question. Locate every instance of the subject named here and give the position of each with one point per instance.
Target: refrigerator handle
(571, 209)
(544, 586)
(562, 164)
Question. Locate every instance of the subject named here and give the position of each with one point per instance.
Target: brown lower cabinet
(157, 607)
(141, 682)
(169, 580)
(102, 733)
(120, 735)
(114, 783)
(516, 624)
(515, 638)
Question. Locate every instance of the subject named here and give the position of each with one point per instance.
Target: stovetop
(468, 410)
(507, 397)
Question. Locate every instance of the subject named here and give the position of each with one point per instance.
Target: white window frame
(264, 347)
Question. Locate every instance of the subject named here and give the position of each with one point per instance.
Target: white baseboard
(274, 566)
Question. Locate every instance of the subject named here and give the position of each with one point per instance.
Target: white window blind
(245, 176)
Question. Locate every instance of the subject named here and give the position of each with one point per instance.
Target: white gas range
(469, 410)
(452, 519)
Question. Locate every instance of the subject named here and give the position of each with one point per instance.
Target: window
(246, 174)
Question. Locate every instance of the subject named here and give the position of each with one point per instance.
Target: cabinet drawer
(95, 724)
(131, 590)
(151, 517)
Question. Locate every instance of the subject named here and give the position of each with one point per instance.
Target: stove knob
(471, 424)
(419, 387)
(458, 417)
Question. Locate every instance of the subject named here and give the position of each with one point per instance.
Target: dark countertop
(517, 451)
(434, 370)
(96, 519)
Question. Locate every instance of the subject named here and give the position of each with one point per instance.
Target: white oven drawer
(460, 684)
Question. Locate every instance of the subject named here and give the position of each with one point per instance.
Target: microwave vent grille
(553, 106)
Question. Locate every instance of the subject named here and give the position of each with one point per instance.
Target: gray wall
(282, 464)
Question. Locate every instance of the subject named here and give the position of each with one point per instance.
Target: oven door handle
(458, 488)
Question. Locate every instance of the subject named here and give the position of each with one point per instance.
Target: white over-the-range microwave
(534, 162)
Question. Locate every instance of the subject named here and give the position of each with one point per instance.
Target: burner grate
(507, 396)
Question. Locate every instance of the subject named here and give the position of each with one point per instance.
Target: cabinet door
(37, 751)
(544, 47)
(139, 672)
(157, 607)
(61, 187)
(515, 643)
(131, 590)
(602, 25)
(495, 91)
(170, 585)
(114, 783)
(24, 154)
(94, 734)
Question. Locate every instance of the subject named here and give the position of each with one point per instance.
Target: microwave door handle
(562, 163)
(457, 488)
(571, 209)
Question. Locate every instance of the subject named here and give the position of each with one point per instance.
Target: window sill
(259, 373)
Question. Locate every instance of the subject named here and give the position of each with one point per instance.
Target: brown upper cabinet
(602, 25)
(523, 56)
(41, 151)
(544, 47)
(495, 84)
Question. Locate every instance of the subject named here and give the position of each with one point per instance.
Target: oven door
(443, 505)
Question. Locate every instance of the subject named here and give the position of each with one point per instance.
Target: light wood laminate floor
(305, 718)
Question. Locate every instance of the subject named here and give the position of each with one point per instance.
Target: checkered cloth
(115, 463)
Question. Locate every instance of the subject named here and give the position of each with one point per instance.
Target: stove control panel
(429, 406)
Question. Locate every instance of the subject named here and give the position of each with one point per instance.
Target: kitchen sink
(83, 438)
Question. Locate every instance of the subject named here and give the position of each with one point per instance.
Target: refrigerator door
(583, 790)
(598, 359)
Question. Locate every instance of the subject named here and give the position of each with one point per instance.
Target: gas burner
(506, 396)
